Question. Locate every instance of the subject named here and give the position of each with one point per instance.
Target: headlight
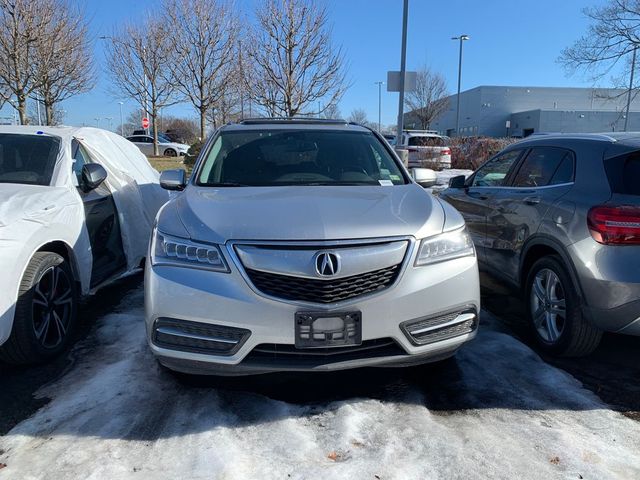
(445, 246)
(181, 252)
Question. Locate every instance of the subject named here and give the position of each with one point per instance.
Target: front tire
(46, 311)
(555, 311)
(170, 152)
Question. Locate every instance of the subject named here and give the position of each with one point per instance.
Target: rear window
(27, 159)
(624, 174)
(428, 142)
(265, 158)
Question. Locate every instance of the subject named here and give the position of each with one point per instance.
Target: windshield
(623, 173)
(27, 159)
(298, 157)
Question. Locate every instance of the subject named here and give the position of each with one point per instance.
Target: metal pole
(633, 67)
(38, 104)
(379, 105)
(403, 65)
(121, 120)
(459, 83)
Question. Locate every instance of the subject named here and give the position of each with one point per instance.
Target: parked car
(558, 216)
(76, 210)
(165, 146)
(426, 148)
(305, 245)
(391, 138)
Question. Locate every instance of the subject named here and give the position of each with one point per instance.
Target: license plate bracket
(327, 329)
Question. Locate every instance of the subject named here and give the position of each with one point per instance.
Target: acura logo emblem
(327, 264)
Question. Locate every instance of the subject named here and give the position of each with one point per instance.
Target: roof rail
(300, 120)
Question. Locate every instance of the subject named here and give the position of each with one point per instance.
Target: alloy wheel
(52, 306)
(548, 305)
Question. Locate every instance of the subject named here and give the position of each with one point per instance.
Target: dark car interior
(27, 159)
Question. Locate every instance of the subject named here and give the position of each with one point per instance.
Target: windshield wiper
(227, 184)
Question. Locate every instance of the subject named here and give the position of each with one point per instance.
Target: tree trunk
(154, 116)
(48, 112)
(22, 110)
(203, 123)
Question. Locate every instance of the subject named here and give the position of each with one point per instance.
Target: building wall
(485, 110)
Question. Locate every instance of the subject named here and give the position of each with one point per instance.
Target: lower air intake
(198, 337)
(441, 327)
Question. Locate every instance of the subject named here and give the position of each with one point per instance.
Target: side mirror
(173, 179)
(457, 182)
(425, 177)
(93, 175)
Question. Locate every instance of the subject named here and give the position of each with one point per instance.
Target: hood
(307, 213)
(31, 202)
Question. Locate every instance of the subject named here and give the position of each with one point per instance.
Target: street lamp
(110, 120)
(379, 104)
(461, 39)
(97, 119)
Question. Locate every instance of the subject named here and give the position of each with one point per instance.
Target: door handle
(531, 200)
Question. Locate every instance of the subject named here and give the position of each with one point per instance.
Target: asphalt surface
(508, 411)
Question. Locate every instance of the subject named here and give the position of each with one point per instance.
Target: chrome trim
(463, 317)
(177, 333)
(544, 187)
(409, 253)
(302, 263)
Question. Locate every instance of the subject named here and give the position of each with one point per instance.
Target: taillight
(615, 225)
(446, 151)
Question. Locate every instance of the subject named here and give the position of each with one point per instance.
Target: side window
(80, 158)
(494, 172)
(147, 139)
(545, 166)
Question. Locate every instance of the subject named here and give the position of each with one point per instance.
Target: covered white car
(76, 210)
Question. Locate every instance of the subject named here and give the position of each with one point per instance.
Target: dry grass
(166, 163)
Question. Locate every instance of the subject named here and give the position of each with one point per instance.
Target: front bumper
(227, 300)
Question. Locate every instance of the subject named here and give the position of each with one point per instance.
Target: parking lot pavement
(496, 411)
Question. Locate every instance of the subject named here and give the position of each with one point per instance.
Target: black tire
(554, 311)
(170, 152)
(46, 311)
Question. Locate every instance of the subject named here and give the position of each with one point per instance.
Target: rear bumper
(622, 319)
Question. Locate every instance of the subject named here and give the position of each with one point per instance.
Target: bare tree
(139, 58)
(430, 98)
(612, 35)
(294, 64)
(358, 115)
(22, 23)
(332, 112)
(203, 47)
(63, 58)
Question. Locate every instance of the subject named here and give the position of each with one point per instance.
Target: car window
(299, 157)
(545, 166)
(494, 172)
(27, 159)
(428, 142)
(624, 173)
(80, 159)
(133, 139)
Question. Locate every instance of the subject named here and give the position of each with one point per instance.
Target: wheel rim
(170, 153)
(548, 305)
(51, 307)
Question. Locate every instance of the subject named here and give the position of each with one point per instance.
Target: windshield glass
(27, 159)
(428, 141)
(298, 157)
(623, 173)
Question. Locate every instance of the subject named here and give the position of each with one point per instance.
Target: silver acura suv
(305, 245)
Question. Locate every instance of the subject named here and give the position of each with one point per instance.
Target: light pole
(461, 39)
(379, 104)
(97, 119)
(633, 67)
(110, 120)
(403, 68)
(121, 120)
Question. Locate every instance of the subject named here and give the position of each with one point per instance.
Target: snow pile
(498, 411)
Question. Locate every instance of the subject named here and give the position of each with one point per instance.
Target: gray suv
(305, 245)
(558, 216)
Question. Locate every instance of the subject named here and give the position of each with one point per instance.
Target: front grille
(323, 291)
(275, 353)
(198, 337)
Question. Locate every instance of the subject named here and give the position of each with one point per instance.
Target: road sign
(145, 123)
(393, 81)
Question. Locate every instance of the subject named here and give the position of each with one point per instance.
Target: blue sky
(512, 43)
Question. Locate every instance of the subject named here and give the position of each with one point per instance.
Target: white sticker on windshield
(386, 183)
